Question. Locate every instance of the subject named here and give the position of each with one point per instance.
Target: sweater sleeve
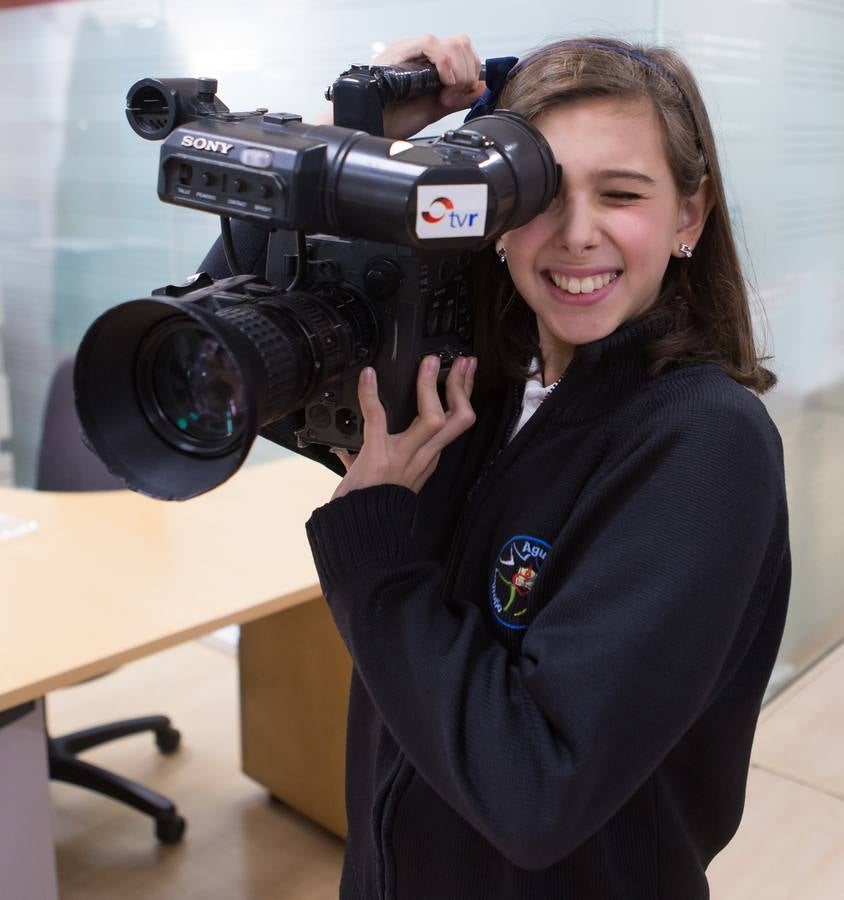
(650, 586)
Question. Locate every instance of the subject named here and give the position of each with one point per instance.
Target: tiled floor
(790, 845)
(241, 847)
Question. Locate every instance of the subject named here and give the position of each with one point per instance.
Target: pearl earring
(502, 254)
(686, 250)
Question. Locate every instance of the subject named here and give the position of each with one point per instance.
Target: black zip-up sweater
(559, 665)
(557, 682)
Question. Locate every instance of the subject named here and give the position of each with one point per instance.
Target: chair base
(64, 766)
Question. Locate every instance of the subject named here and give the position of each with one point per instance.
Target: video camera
(370, 243)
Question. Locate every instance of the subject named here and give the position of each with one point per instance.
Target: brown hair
(704, 298)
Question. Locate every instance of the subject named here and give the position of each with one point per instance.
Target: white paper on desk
(12, 527)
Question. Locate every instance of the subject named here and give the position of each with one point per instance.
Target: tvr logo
(201, 143)
(451, 210)
(442, 207)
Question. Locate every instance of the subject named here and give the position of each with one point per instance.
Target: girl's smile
(582, 289)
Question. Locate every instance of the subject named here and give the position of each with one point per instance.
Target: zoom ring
(324, 329)
(278, 352)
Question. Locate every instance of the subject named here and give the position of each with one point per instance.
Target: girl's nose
(577, 226)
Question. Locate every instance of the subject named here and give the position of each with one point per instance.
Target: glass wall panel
(81, 227)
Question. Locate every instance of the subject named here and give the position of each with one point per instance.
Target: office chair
(66, 464)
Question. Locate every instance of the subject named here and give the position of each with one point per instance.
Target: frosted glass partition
(82, 228)
(773, 74)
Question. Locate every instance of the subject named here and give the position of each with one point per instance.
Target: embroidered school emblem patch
(516, 567)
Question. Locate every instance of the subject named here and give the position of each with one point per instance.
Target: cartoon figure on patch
(516, 567)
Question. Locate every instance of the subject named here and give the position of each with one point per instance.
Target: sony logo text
(201, 143)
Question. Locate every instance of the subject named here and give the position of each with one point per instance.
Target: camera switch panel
(243, 193)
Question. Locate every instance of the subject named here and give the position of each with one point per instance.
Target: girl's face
(597, 256)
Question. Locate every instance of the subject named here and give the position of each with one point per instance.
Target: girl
(564, 596)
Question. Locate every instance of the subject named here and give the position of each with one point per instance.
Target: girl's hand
(409, 458)
(458, 66)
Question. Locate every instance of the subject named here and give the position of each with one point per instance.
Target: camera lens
(191, 388)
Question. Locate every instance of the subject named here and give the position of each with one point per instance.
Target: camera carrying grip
(360, 93)
(404, 81)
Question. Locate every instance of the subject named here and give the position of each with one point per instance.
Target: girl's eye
(622, 195)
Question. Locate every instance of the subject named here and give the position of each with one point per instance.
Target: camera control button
(319, 416)
(448, 269)
(447, 316)
(382, 278)
(432, 322)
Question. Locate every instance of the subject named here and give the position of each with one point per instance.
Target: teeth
(582, 285)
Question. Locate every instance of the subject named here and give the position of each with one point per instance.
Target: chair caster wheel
(168, 740)
(170, 831)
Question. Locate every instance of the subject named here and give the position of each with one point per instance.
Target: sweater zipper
(389, 785)
(517, 394)
(487, 468)
(511, 424)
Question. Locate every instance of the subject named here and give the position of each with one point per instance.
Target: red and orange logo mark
(446, 205)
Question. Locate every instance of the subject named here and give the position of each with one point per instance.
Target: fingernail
(432, 364)
(367, 376)
(473, 365)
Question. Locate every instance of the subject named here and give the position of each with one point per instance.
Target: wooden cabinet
(294, 688)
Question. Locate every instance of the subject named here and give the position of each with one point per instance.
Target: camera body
(420, 303)
(369, 253)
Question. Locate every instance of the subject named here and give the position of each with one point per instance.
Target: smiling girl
(564, 591)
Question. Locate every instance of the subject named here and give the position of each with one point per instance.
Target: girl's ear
(694, 212)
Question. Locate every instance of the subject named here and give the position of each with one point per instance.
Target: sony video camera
(370, 242)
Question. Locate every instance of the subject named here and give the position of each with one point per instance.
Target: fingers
(466, 65)
(434, 428)
(456, 60)
(344, 456)
(410, 457)
(465, 61)
(431, 414)
(459, 384)
(426, 46)
(462, 46)
(458, 67)
(458, 390)
(374, 417)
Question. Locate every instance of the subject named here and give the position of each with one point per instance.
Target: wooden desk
(109, 577)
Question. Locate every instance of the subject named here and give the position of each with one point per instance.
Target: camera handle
(360, 94)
